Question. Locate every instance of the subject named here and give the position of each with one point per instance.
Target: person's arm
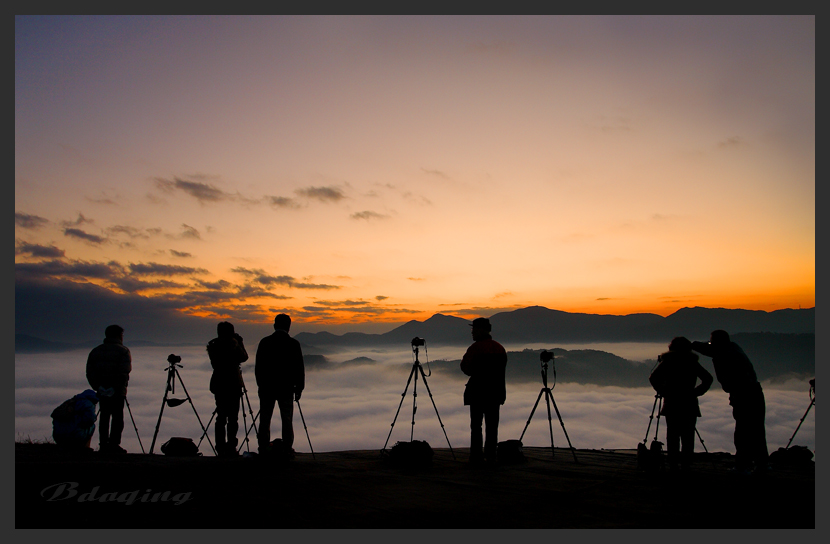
(243, 353)
(656, 379)
(704, 348)
(299, 383)
(705, 380)
(467, 365)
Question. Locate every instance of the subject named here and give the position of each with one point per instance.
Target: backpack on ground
(794, 455)
(650, 459)
(415, 453)
(510, 452)
(180, 447)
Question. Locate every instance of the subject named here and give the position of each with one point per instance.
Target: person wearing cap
(227, 352)
(108, 370)
(280, 378)
(484, 362)
(737, 377)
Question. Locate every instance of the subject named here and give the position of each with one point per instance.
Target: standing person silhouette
(227, 353)
(737, 377)
(108, 370)
(675, 379)
(280, 378)
(484, 362)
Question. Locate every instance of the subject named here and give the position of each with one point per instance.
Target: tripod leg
(204, 434)
(194, 410)
(548, 397)
(414, 407)
(134, 425)
(436, 411)
(704, 447)
(651, 417)
(251, 428)
(299, 409)
(531, 413)
(573, 451)
(403, 395)
(799, 423)
(163, 402)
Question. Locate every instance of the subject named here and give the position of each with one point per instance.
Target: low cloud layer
(351, 406)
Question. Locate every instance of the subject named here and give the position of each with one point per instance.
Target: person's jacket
(226, 354)
(675, 379)
(109, 365)
(732, 368)
(279, 365)
(485, 362)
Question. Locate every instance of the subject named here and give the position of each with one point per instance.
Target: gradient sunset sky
(350, 170)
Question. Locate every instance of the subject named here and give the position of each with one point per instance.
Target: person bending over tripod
(108, 370)
(484, 362)
(737, 377)
(280, 378)
(227, 353)
(674, 379)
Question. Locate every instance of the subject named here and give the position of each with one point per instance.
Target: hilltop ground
(362, 489)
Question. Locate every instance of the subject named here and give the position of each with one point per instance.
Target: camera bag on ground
(180, 447)
(510, 452)
(417, 452)
(794, 455)
(650, 459)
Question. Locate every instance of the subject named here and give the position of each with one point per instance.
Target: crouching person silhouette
(227, 353)
(675, 379)
(73, 422)
(280, 378)
(108, 370)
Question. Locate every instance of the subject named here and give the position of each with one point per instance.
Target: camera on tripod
(173, 359)
(417, 341)
(546, 356)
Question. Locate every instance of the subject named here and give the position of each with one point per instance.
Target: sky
(359, 172)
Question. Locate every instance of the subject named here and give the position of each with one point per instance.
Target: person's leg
(476, 439)
(491, 421)
(117, 425)
(232, 413)
(742, 437)
(687, 439)
(286, 404)
(104, 423)
(757, 432)
(266, 410)
(219, 424)
(673, 440)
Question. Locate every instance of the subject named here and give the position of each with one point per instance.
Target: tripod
(812, 403)
(545, 357)
(417, 369)
(659, 398)
(243, 399)
(172, 374)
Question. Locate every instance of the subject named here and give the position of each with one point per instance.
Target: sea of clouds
(352, 406)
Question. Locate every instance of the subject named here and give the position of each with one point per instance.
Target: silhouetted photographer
(108, 370)
(484, 362)
(227, 353)
(737, 377)
(675, 379)
(280, 378)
